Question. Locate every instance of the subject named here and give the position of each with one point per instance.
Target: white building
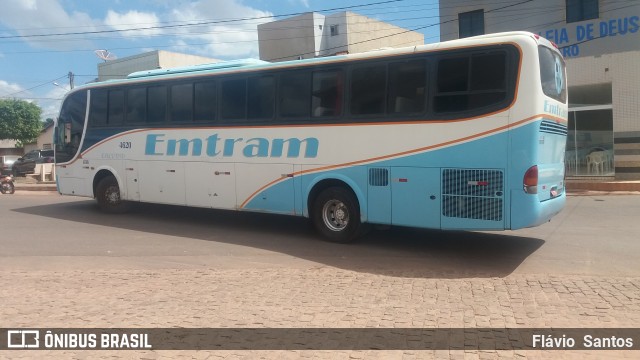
(159, 59)
(8, 147)
(600, 40)
(44, 140)
(312, 35)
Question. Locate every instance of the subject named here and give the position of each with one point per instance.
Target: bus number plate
(125, 145)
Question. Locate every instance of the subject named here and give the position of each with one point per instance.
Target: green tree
(19, 120)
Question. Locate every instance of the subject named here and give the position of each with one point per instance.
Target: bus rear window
(552, 74)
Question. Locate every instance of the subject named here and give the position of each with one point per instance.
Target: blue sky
(30, 63)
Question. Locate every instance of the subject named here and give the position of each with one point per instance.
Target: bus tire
(336, 215)
(108, 196)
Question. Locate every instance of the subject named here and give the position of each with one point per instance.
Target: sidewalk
(30, 184)
(577, 186)
(48, 186)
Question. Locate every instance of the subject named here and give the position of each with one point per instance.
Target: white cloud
(45, 17)
(7, 89)
(133, 19)
(224, 36)
(51, 105)
(217, 37)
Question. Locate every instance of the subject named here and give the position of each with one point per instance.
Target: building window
(580, 10)
(334, 30)
(471, 23)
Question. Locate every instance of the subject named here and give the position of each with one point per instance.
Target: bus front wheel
(336, 215)
(108, 196)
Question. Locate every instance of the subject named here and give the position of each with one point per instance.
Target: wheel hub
(335, 215)
(113, 195)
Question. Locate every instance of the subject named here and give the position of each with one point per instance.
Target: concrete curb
(608, 186)
(36, 187)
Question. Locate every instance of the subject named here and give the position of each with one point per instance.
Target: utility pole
(71, 76)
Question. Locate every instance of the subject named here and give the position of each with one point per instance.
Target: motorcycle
(6, 184)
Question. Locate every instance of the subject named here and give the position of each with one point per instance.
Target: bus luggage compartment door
(415, 197)
(162, 182)
(211, 185)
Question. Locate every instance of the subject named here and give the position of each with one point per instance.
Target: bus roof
(255, 64)
(195, 68)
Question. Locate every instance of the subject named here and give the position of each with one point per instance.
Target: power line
(402, 32)
(419, 7)
(190, 24)
(35, 87)
(528, 14)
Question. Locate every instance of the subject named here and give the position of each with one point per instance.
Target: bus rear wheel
(336, 215)
(108, 196)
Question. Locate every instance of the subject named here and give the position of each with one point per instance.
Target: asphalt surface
(65, 264)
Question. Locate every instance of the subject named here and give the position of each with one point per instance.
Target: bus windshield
(552, 74)
(70, 126)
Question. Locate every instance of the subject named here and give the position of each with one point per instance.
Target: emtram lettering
(158, 145)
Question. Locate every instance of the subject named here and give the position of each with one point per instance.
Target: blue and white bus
(466, 134)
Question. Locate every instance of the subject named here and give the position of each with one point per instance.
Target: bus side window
(470, 82)
(136, 112)
(488, 79)
(98, 109)
(204, 107)
(116, 107)
(407, 84)
(452, 85)
(157, 104)
(233, 99)
(327, 93)
(182, 102)
(261, 97)
(294, 97)
(368, 90)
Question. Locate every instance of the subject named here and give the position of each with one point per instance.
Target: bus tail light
(530, 180)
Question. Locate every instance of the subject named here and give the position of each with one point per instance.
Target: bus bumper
(528, 211)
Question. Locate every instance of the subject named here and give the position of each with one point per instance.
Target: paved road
(64, 264)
